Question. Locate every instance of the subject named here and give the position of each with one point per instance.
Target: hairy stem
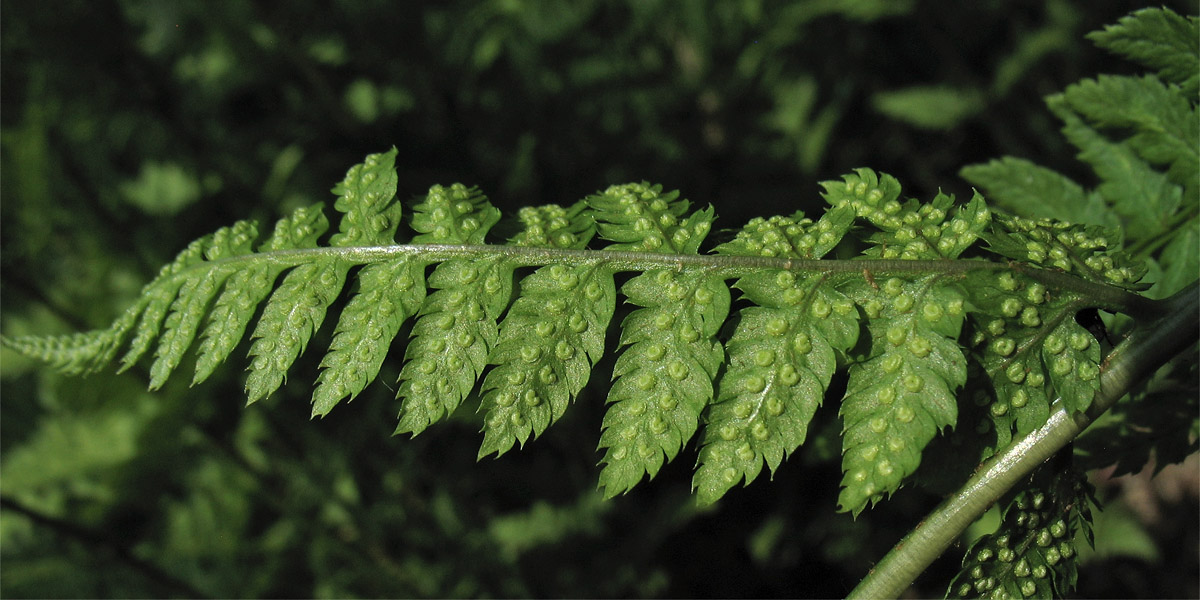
(1145, 349)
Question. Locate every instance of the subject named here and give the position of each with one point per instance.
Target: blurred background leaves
(130, 127)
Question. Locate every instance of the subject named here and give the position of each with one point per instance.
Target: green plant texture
(960, 345)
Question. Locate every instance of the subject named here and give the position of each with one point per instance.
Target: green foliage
(1158, 39)
(1030, 555)
(781, 355)
(926, 325)
(895, 326)
(1139, 136)
(929, 107)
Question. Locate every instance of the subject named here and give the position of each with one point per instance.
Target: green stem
(1104, 296)
(1137, 357)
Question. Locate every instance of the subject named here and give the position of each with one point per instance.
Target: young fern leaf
(664, 376)
(456, 326)
(781, 355)
(552, 335)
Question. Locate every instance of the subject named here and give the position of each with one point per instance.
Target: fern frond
(552, 335)
(457, 325)
(892, 317)
(245, 289)
(781, 355)
(903, 393)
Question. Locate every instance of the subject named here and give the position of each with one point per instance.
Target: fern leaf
(246, 289)
(1032, 350)
(1086, 251)
(297, 307)
(872, 196)
(292, 314)
(549, 340)
(664, 376)
(1145, 198)
(88, 352)
(790, 237)
(781, 355)
(552, 335)
(903, 392)
(1165, 124)
(910, 230)
(367, 200)
(1024, 188)
(73, 354)
(454, 332)
(194, 295)
(156, 300)
(454, 215)
(1159, 39)
(640, 217)
(389, 292)
(1033, 553)
(456, 327)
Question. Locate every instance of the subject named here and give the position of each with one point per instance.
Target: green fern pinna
(951, 319)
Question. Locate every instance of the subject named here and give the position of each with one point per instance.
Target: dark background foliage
(131, 127)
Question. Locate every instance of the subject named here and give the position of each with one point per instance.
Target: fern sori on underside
(1030, 554)
(1137, 226)
(949, 323)
(948, 311)
(926, 302)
